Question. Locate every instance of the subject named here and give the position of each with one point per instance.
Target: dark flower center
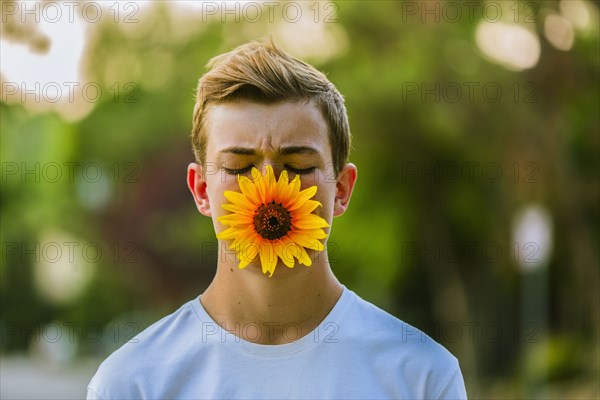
(272, 221)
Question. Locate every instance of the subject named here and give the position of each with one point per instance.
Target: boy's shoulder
(159, 344)
(372, 324)
(414, 356)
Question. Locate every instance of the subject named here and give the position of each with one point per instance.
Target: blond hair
(259, 71)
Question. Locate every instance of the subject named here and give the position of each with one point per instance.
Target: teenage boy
(300, 333)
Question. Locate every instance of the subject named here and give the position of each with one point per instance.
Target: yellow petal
(300, 254)
(237, 209)
(245, 237)
(270, 184)
(310, 221)
(229, 233)
(238, 199)
(259, 184)
(248, 189)
(247, 254)
(291, 192)
(313, 233)
(304, 258)
(268, 259)
(306, 241)
(302, 198)
(306, 208)
(281, 187)
(235, 219)
(281, 251)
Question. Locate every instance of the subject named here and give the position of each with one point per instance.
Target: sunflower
(272, 220)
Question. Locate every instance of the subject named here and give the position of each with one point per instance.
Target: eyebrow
(246, 151)
(242, 151)
(297, 150)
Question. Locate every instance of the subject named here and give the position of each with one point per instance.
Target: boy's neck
(275, 310)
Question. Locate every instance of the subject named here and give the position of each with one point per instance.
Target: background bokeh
(475, 217)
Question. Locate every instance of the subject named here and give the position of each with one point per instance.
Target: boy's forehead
(262, 126)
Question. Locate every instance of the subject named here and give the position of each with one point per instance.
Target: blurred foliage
(158, 251)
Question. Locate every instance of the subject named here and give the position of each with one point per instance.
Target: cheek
(216, 192)
(325, 196)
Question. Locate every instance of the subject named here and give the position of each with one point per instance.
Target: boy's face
(286, 135)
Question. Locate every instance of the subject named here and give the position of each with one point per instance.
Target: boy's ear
(197, 185)
(345, 185)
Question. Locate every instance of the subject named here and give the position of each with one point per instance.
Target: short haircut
(261, 72)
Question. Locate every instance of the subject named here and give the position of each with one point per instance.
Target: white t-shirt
(358, 352)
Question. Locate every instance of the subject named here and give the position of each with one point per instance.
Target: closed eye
(297, 171)
(238, 171)
(300, 171)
